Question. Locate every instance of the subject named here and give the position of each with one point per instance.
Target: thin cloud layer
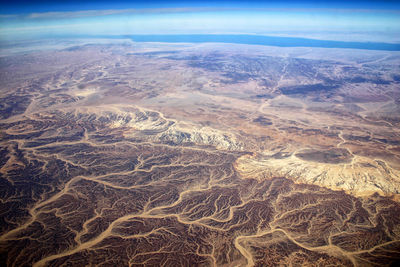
(94, 13)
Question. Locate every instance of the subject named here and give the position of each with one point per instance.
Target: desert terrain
(155, 154)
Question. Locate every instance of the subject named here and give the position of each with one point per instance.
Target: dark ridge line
(236, 39)
(261, 40)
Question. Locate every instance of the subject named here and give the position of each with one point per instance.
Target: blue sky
(375, 21)
(27, 6)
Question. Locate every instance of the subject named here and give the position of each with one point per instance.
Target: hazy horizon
(347, 21)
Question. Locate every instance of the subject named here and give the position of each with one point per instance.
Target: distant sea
(260, 40)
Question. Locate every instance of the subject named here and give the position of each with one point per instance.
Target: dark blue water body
(261, 40)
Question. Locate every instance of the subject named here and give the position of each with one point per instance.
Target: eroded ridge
(99, 166)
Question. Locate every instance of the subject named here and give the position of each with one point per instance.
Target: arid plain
(146, 154)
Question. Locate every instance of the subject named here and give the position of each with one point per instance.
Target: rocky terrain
(199, 155)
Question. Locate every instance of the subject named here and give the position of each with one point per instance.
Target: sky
(365, 21)
(27, 6)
